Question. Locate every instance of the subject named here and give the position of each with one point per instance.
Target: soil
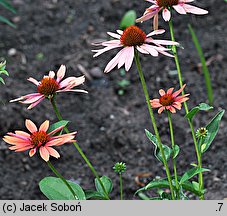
(110, 126)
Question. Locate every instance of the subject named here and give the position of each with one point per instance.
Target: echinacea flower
(38, 139)
(48, 87)
(181, 6)
(130, 39)
(169, 100)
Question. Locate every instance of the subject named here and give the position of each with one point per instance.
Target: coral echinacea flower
(38, 139)
(169, 100)
(181, 6)
(48, 87)
(131, 39)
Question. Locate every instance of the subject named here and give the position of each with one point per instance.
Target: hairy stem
(143, 82)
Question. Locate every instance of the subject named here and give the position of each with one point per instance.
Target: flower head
(119, 167)
(130, 39)
(169, 100)
(38, 139)
(201, 132)
(49, 86)
(181, 6)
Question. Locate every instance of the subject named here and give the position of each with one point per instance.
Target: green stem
(143, 82)
(173, 149)
(186, 108)
(121, 186)
(62, 178)
(79, 149)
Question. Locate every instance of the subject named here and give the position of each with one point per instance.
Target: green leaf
(2, 81)
(212, 128)
(204, 66)
(94, 195)
(192, 172)
(163, 183)
(201, 107)
(55, 189)
(4, 20)
(157, 152)
(128, 19)
(57, 125)
(107, 184)
(7, 5)
(176, 151)
(4, 72)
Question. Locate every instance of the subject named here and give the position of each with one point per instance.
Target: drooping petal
(155, 21)
(35, 103)
(32, 99)
(32, 152)
(53, 152)
(165, 42)
(113, 62)
(171, 109)
(166, 14)
(156, 32)
(129, 59)
(30, 126)
(114, 35)
(194, 10)
(101, 51)
(160, 110)
(149, 49)
(44, 153)
(147, 16)
(22, 133)
(44, 126)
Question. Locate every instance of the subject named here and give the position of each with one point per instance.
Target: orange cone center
(166, 100)
(167, 3)
(133, 36)
(48, 86)
(39, 138)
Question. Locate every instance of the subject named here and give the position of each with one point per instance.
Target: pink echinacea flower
(181, 6)
(48, 87)
(131, 39)
(169, 100)
(38, 139)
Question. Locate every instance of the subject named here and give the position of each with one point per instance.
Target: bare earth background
(110, 127)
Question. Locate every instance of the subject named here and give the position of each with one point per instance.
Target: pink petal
(172, 109)
(177, 105)
(61, 73)
(34, 81)
(111, 43)
(129, 59)
(165, 42)
(140, 49)
(147, 16)
(51, 74)
(101, 51)
(150, 49)
(113, 62)
(35, 103)
(194, 10)
(30, 126)
(22, 133)
(56, 130)
(155, 22)
(175, 94)
(32, 152)
(44, 126)
(114, 35)
(53, 152)
(160, 110)
(162, 92)
(32, 99)
(44, 153)
(170, 91)
(156, 32)
(54, 142)
(123, 57)
(166, 14)
(179, 8)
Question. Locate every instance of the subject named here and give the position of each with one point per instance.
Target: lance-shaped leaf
(157, 151)
(212, 128)
(200, 107)
(57, 125)
(191, 173)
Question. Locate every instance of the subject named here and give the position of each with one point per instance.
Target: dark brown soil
(110, 126)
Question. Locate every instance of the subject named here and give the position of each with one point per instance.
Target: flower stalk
(199, 159)
(173, 149)
(52, 100)
(62, 178)
(143, 82)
